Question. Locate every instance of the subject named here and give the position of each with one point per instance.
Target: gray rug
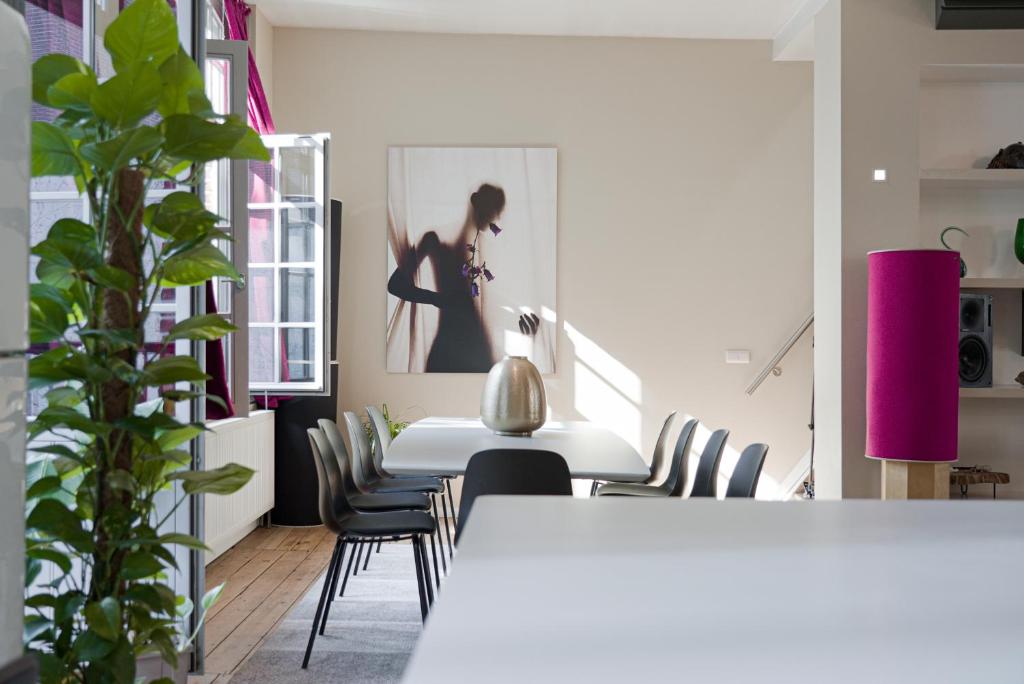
(370, 633)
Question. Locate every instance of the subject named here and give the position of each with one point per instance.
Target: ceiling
(632, 18)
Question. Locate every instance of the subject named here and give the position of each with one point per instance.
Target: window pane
(297, 173)
(261, 236)
(297, 297)
(261, 355)
(261, 182)
(299, 352)
(261, 295)
(57, 28)
(298, 228)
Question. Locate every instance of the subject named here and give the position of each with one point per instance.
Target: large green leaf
(181, 79)
(53, 518)
(185, 540)
(139, 565)
(196, 266)
(48, 313)
(172, 369)
(52, 555)
(207, 327)
(128, 97)
(70, 244)
(181, 216)
(53, 152)
(73, 91)
(195, 139)
(117, 153)
(145, 31)
(224, 480)
(250, 146)
(90, 646)
(49, 69)
(104, 618)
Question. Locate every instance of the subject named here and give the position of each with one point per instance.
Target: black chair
(351, 526)
(705, 480)
(382, 435)
(670, 483)
(743, 482)
(659, 461)
(364, 502)
(521, 472)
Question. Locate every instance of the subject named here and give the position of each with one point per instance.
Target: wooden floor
(266, 573)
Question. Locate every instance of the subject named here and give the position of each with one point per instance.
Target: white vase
(513, 401)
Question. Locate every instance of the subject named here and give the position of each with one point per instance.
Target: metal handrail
(773, 365)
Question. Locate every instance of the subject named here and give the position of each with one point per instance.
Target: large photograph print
(471, 257)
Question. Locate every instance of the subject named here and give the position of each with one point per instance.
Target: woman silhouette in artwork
(462, 343)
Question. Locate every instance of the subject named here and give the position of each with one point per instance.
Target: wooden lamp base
(915, 480)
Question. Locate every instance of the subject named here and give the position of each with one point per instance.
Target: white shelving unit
(970, 283)
(967, 179)
(995, 392)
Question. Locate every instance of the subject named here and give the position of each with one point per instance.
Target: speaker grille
(973, 359)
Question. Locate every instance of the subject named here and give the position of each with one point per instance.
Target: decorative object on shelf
(1018, 241)
(96, 540)
(471, 255)
(942, 239)
(394, 426)
(513, 401)
(1009, 157)
(912, 384)
(1020, 378)
(966, 476)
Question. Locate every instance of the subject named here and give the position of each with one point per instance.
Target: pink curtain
(236, 13)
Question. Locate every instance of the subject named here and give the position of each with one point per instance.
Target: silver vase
(513, 402)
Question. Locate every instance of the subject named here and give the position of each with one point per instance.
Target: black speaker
(975, 340)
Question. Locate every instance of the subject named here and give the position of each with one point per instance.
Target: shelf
(997, 392)
(970, 283)
(976, 179)
(973, 73)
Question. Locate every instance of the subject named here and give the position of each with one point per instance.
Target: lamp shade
(913, 385)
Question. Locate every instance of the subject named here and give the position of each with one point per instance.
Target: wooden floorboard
(265, 574)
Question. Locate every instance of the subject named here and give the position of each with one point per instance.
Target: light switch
(737, 356)
(880, 176)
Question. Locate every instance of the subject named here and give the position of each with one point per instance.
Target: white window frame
(319, 143)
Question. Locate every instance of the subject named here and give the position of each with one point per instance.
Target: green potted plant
(102, 480)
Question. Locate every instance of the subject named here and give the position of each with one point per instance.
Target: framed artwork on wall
(471, 257)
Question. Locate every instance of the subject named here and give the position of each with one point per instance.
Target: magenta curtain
(260, 119)
(216, 368)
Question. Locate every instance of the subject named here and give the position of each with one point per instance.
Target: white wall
(684, 224)
(881, 47)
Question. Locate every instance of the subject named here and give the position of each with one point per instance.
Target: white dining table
(554, 589)
(443, 446)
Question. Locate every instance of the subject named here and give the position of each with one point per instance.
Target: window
(289, 297)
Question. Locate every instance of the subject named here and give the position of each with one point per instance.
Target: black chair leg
(593, 488)
(433, 550)
(437, 529)
(320, 605)
(447, 529)
(334, 585)
(416, 541)
(451, 501)
(426, 574)
(369, 550)
(379, 542)
(359, 557)
(348, 570)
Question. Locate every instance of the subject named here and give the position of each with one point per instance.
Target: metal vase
(513, 402)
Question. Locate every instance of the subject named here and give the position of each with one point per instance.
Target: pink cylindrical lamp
(913, 384)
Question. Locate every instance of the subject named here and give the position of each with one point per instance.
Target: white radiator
(249, 442)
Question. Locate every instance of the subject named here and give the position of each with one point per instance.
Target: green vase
(1018, 241)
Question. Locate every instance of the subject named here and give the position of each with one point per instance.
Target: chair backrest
(511, 471)
(331, 499)
(356, 480)
(675, 482)
(705, 481)
(743, 482)
(381, 436)
(361, 445)
(660, 463)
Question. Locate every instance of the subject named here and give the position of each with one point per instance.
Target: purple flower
(465, 270)
(475, 271)
(474, 290)
(488, 275)
(495, 229)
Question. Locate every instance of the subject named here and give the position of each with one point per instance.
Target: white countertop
(443, 446)
(548, 589)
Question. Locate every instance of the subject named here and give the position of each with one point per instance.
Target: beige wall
(871, 65)
(261, 41)
(684, 220)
